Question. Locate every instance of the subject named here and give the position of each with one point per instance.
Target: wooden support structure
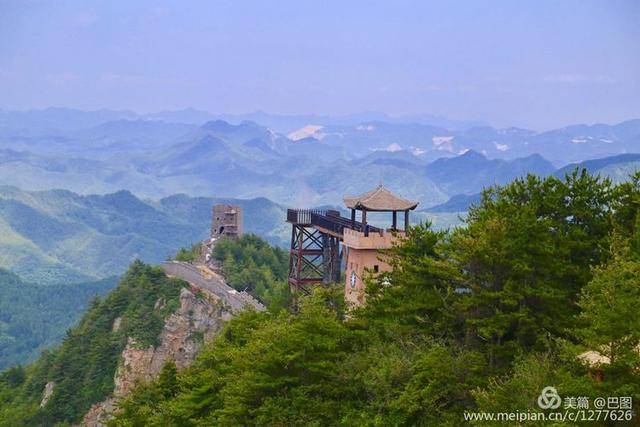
(331, 259)
(306, 258)
(315, 256)
(317, 236)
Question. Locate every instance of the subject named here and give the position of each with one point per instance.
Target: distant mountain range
(292, 160)
(457, 203)
(58, 236)
(469, 172)
(68, 118)
(617, 168)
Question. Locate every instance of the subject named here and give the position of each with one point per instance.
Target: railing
(328, 219)
(303, 216)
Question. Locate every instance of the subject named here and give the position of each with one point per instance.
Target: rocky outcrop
(201, 316)
(48, 391)
(99, 414)
(181, 339)
(116, 324)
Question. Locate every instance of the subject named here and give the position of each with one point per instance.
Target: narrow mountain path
(208, 280)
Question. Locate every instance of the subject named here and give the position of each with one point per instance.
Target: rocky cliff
(201, 316)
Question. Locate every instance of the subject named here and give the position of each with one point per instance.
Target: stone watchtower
(226, 220)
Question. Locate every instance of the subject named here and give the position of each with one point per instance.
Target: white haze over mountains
(292, 160)
(66, 118)
(530, 63)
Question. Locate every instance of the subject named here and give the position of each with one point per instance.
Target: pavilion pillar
(394, 225)
(353, 219)
(406, 220)
(364, 222)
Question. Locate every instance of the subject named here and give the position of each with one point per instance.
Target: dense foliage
(188, 255)
(83, 367)
(479, 318)
(34, 317)
(251, 264)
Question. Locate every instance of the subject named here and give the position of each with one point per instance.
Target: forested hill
(479, 318)
(58, 236)
(34, 317)
(83, 370)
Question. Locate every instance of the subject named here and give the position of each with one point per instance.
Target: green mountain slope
(34, 317)
(58, 236)
(83, 367)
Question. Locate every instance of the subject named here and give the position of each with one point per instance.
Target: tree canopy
(478, 318)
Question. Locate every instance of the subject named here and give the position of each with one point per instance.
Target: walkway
(208, 280)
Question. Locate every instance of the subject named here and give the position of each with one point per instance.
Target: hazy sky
(526, 63)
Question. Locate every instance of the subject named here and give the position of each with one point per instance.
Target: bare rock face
(116, 324)
(48, 391)
(201, 316)
(99, 414)
(181, 340)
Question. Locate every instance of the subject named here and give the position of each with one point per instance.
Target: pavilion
(380, 200)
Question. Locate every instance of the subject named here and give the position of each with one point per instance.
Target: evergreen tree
(610, 320)
(480, 318)
(419, 295)
(527, 250)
